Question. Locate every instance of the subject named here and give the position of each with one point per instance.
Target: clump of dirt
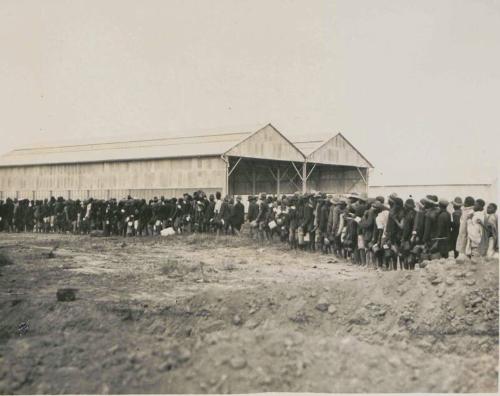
(5, 259)
(189, 315)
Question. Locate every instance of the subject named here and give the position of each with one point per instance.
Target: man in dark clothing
(262, 217)
(367, 226)
(332, 227)
(406, 234)
(430, 225)
(455, 223)
(225, 214)
(253, 211)
(70, 212)
(443, 229)
(359, 211)
(323, 224)
(237, 215)
(307, 222)
(292, 222)
(394, 230)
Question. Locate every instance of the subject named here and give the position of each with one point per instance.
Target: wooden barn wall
(268, 144)
(337, 179)
(142, 177)
(338, 151)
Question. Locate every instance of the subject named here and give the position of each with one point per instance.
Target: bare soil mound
(194, 315)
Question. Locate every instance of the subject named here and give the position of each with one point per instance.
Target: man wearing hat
(367, 227)
(323, 223)
(382, 214)
(333, 223)
(261, 217)
(393, 231)
(307, 223)
(430, 222)
(210, 213)
(293, 222)
(253, 211)
(406, 234)
(443, 229)
(455, 223)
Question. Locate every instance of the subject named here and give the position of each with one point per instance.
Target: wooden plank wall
(269, 144)
(173, 175)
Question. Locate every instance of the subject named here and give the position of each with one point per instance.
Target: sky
(414, 85)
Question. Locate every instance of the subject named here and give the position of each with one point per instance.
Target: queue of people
(381, 233)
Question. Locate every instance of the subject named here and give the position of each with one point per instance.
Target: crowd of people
(377, 232)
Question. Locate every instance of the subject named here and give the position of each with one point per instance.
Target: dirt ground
(189, 314)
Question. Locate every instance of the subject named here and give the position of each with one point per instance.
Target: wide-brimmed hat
(457, 201)
(468, 202)
(353, 195)
(430, 199)
(363, 196)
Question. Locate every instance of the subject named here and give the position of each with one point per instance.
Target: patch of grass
(170, 267)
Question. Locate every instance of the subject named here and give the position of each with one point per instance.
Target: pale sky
(414, 85)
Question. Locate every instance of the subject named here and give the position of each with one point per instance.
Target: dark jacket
(408, 224)
(308, 220)
(253, 211)
(238, 214)
(430, 224)
(443, 224)
(323, 217)
(367, 224)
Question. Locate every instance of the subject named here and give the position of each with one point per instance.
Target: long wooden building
(249, 162)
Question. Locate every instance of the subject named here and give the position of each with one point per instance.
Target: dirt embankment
(193, 315)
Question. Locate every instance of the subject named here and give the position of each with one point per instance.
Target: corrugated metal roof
(175, 147)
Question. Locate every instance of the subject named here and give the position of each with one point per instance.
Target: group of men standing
(127, 217)
(378, 232)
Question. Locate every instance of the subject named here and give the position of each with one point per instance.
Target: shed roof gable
(267, 143)
(338, 151)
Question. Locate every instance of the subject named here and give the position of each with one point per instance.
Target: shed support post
(278, 177)
(362, 176)
(253, 180)
(304, 177)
